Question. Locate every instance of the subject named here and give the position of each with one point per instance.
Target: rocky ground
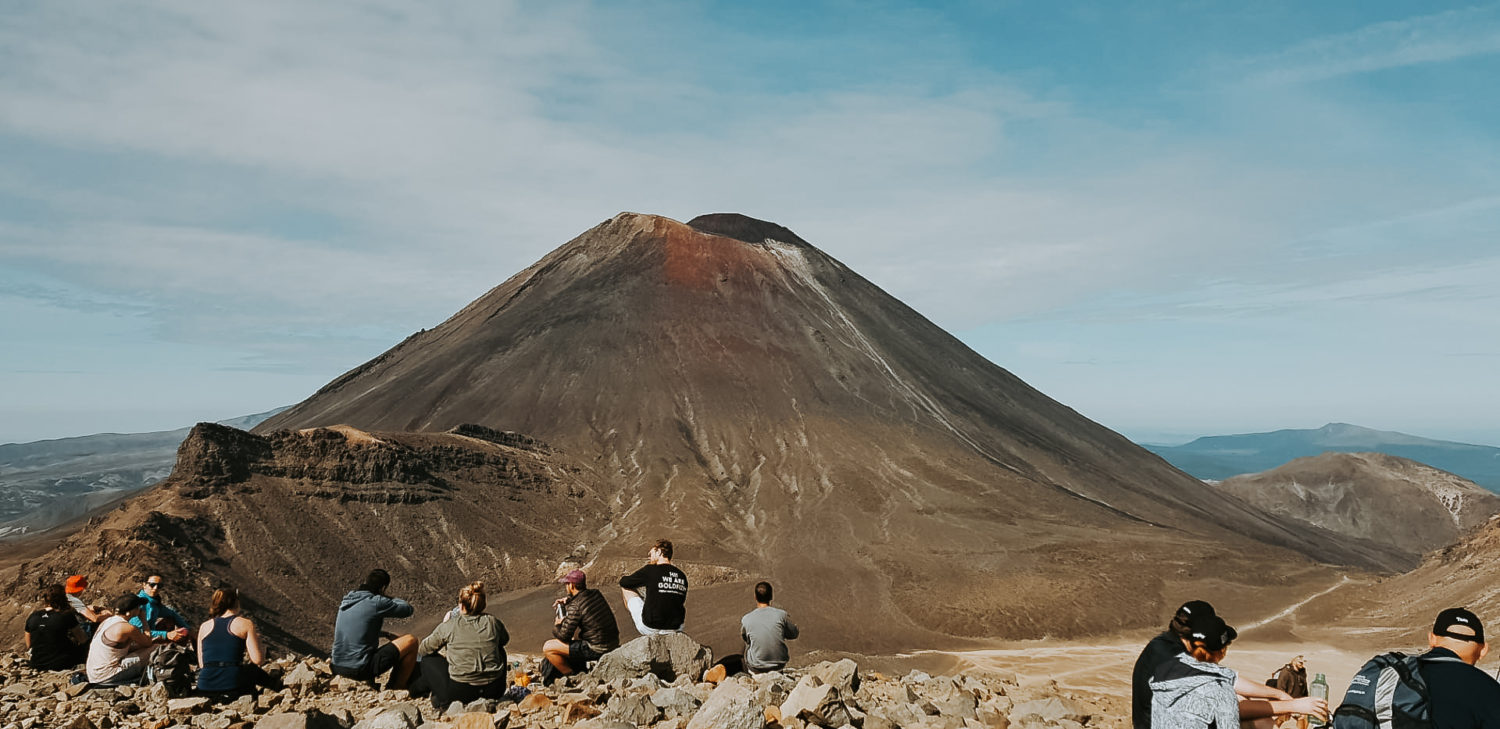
(663, 682)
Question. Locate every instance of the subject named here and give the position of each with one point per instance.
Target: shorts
(382, 660)
(579, 655)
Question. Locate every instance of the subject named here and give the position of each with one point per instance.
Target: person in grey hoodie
(1194, 691)
(357, 631)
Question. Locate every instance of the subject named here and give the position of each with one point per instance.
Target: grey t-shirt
(766, 631)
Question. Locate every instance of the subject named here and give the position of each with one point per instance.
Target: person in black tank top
(223, 642)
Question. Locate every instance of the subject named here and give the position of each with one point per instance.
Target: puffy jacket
(356, 630)
(588, 615)
(1187, 693)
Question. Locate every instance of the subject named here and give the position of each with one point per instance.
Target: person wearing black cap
(1193, 691)
(1462, 696)
(1257, 701)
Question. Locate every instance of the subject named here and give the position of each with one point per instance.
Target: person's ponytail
(471, 598)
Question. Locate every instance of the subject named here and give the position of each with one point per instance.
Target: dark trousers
(250, 679)
(434, 668)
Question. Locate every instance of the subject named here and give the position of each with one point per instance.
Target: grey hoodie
(356, 630)
(1187, 693)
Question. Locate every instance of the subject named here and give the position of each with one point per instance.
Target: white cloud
(1435, 38)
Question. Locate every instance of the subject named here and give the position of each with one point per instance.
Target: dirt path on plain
(1104, 665)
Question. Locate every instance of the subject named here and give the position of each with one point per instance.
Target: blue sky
(1178, 218)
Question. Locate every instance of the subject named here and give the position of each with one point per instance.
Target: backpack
(1272, 680)
(171, 665)
(1389, 692)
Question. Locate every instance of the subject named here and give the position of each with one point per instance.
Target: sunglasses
(153, 584)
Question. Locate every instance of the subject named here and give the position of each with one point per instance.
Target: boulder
(669, 656)
(676, 701)
(816, 703)
(474, 720)
(302, 675)
(403, 716)
(636, 709)
(730, 706)
(188, 705)
(1052, 709)
(842, 675)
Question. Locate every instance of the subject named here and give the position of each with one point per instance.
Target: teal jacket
(155, 610)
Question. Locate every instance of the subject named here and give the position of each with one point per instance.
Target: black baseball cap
(1451, 617)
(1211, 630)
(1185, 614)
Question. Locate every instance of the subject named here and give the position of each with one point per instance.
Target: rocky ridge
(827, 694)
(1387, 499)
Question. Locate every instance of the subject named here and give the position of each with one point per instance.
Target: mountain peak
(744, 228)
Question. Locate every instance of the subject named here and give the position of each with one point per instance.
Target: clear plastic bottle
(1318, 689)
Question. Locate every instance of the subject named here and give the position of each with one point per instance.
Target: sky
(1178, 218)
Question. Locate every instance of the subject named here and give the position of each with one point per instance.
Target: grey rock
(816, 703)
(842, 675)
(404, 716)
(730, 706)
(1051, 709)
(675, 701)
(670, 657)
(188, 705)
(302, 675)
(637, 709)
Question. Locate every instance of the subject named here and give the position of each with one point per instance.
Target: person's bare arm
(252, 643)
(1254, 690)
(28, 640)
(203, 631)
(1260, 708)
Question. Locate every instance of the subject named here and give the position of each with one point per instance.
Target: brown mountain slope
(775, 412)
(1373, 496)
(1394, 610)
(296, 518)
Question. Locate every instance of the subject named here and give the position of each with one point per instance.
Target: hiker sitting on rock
(118, 652)
(583, 631)
(160, 621)
(54, 637)
(474, 667)
(357, 652)
(766, 630)
(656, 594)
(1257, 701)
(1193, 691)
(89, 615)
(224, 640)
(1459, 695)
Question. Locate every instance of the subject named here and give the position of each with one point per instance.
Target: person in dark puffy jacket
(357, 631)
(1292, 678)
(583, 630)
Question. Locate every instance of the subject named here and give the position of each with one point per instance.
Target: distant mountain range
(49, 482)
(1221, 456)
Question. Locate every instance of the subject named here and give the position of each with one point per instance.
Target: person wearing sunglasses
(162, 623)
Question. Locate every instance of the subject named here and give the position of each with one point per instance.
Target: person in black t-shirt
(657, 593)
(1463, 696)
(54, 634)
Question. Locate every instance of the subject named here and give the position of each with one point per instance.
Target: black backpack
(1274, 675)
(171, 665)
(1389, 692)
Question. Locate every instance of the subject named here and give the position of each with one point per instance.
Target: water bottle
(1318, 689)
